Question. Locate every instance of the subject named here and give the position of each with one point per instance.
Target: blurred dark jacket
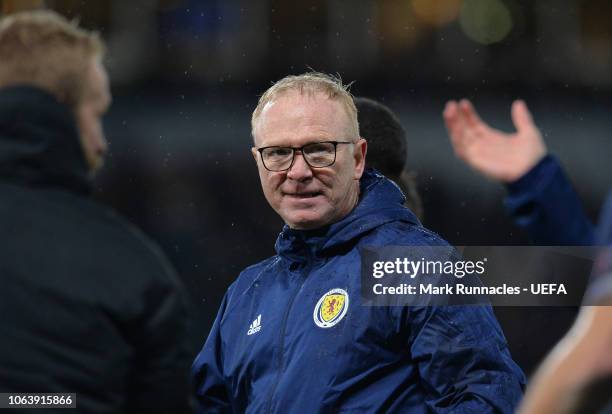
(88, 305)
(544, 203)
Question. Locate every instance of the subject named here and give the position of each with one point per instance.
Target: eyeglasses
(316, 155)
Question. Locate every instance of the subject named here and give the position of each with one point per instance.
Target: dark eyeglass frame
(301, 149)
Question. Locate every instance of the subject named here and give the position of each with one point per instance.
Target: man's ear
(255, 154)
(361, 149)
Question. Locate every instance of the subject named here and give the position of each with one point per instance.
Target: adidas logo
(255, 326)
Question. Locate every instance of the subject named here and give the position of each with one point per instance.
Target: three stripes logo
(255, 326)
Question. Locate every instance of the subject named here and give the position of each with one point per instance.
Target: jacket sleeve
(160, 381)
(604, 228)
(207, 371)
(599, 290)
(463, 360)
(545, 204)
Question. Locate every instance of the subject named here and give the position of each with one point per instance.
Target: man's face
(89, 112)
(306, 197)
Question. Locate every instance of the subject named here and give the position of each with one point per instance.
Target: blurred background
(187, 74)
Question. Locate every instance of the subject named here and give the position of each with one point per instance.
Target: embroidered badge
(331, 308)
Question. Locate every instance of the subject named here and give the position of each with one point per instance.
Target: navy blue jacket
(88, 304)
(545, 204)
(266, 353)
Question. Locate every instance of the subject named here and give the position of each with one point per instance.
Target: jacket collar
(39, 142)
(381, 201)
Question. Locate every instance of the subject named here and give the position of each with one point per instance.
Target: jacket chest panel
(251, 330)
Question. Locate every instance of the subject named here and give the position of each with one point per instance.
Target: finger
(521, 117)
(450, 114)
(454, 123)
(470, 114)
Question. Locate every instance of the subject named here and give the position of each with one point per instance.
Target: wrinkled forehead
(293, 112)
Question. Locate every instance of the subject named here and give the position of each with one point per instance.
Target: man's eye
(279, 152)
(319, 149)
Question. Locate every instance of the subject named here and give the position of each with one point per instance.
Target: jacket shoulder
(144, 251)
(91, 230)
(402, 233)
(247, 278)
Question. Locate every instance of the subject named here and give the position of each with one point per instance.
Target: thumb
(521, 117)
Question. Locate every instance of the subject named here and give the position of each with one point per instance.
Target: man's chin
(306, 214)
(305, 221)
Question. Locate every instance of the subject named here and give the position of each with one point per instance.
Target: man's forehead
(300, 109)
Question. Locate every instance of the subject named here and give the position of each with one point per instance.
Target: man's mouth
(304, 195)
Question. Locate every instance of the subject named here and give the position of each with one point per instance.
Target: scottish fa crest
(331, 308)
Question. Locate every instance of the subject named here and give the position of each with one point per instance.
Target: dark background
(187, 74)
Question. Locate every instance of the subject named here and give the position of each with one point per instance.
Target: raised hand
(495, 154)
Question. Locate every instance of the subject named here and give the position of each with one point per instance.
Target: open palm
(495, 154)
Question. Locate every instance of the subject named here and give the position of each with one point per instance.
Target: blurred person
(582, 358)
(576, 376)
(542, 200)
(387, 150)
(88, 304)
(291, 335)
(540, 196)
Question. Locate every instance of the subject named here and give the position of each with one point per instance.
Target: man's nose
(300, 170)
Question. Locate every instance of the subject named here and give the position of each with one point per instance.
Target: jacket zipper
(281, 361)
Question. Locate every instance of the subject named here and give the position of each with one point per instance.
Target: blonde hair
(43, 49)
(310, 84)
